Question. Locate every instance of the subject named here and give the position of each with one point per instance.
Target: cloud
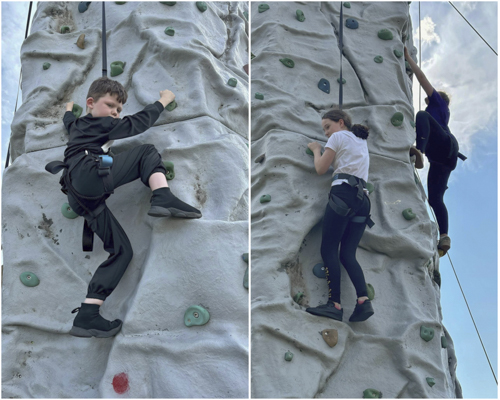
(428, 33)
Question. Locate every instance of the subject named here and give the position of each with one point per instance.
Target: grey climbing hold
(81, 41)
(196, 316)
(171, 106)
(265, 198)
(347, 5)
(169, 31)
(330, 336)
(379, 59)
(444, 342)
(68, 212)
(65, 29)
(409, 214)
(300, 15)
(46, 65)
(77, 110)
(245, 279)
(319, 271)
(299, 296)
(343, 81)
(202, 6)
(430, 381)
(371, 291)
(83, 6)
(259, 96)
(117, 67)
(244, 257)
(309, 151)
(263, 7)
(397, 119)
(398, 53)
(351, 23)
(232, 82)
(169, 166)
(324, 85)
(287, 62)
(426, 333)
(372, 394)
(288, 356)
(370, 187)
(29, 279)
(385, 34)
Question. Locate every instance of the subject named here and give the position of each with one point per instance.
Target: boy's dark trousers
(140, 162)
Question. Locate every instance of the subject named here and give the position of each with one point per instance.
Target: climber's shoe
(326, 310)
(88, 323)
(165, 204)
(444, 245)
(419, 157)
(362, 311)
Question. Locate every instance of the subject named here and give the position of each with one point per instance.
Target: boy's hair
(360, 131)
(102, 86)
(445, 97)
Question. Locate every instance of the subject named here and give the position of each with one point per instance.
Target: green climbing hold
(120, 2)
(83, 6)
(370, 187)
(379, 59)
(372, 394)
(244, 256)
(309, 151)
(252, 56)
(426, 333)
(385, 34)
(430, 381)
(287, 62)
(171, 106)
(68, 212)
(65, 29)
(351, 23)
(300, 15)
(343, 81)
(397, 119)
(29, 279)
(202, 6)
(408, 214)
(347, 5)
(444, 342)
(407, 66)
(117, 67)
(169, 31)
(263, 7)
(371, 291)
(169, 166)
(46, 65)
(288, 356)
(245, 13)
(412, 123)
(77, 110)
(265, 198)
(245, 279)
(196, 316)
(398, 53)
(232, 82)
(298, 297)
(437, 277)
(168, 3)
(259, 96)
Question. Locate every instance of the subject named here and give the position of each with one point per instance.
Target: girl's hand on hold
(313, 146)
(167, 96)
(69, 106)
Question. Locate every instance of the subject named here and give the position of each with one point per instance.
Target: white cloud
(428, 33)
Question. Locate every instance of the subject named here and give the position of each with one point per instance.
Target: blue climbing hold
(319, 271)
(83, 6)
(324, 85)
(351, 23)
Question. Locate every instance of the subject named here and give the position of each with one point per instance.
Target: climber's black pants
(140, 162)
(437, 183)
(340, 241)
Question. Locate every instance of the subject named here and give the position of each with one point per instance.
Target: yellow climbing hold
(330, 336)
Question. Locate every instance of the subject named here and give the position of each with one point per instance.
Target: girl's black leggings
(340, 241)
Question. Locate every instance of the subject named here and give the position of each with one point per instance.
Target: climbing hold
(426, 333)
(259, 96)
(330, 336)
(319, 271)
(441, 252)
(288, 356)
(287, 62)
(309, 151)
(68, 212)
(245, 13)
(398, 53)
(408, 214)
(351, 23)
(46, 65)
(372, 394)
(324, 85)
(378, 59)
(300, 15)
(169, 31)
(120, 383)
(244, 256)
(83, 6)
(407, 66)
(298, 297)
(263, 7)
(117, 67)
(65, 29)
(397, 119)
(437, 277)
(385, 34)
(265, 198)
(232, 82)
(168, 3)
(370, 187)
(252, 56)
(245, 279)
(412, 123)
(169, 166)
(430, 381)
(343, 81)
(196, 316)
(444, 342)
(371, 291)
(29, 279)
(171, 106)
(77, 110)
(202, 6)
(81, 41)
(347, 5)
(245, 68)
(120, 2)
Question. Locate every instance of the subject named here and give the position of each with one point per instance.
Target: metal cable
(341, 46)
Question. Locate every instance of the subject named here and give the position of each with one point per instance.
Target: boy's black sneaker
(165, 204)
(88, 323)
(327, 310)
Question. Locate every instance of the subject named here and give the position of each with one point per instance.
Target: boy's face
(106, 106)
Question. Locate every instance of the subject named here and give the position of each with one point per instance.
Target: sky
(454, 59)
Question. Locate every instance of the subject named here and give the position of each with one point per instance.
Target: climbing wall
(403, 350)
(177, 263)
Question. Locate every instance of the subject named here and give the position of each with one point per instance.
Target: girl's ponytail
(360, 131)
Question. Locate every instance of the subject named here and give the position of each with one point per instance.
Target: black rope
(341, 46)
(419, 57)
(104, 60)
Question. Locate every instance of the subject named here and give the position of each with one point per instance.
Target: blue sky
(456, 60)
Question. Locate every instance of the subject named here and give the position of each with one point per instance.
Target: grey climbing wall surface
(385, 354)
(177, 263)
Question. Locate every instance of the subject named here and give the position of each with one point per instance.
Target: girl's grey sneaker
(89, 323)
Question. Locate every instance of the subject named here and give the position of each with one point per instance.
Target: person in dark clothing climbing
(347, 212)
(435, 140)
(92, 181)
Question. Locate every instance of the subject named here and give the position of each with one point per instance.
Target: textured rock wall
(399, 257)
(177, 263)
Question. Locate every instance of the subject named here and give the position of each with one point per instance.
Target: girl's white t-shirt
(351, 155)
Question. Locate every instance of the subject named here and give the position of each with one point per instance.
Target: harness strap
(354, 182)
(340, 207)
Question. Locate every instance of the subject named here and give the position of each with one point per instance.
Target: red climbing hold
(120, 383)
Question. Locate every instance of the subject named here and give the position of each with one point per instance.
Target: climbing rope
(341, 46)
(420, 58)
(104, 58)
